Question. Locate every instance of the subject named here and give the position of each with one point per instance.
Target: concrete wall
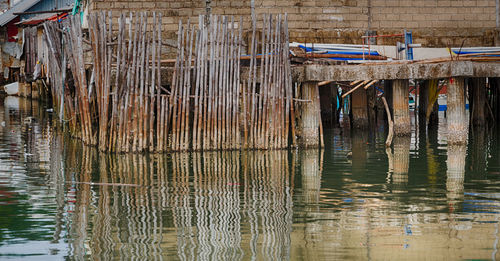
(435, 23)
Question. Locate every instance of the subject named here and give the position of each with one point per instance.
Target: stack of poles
(268, 107)
(215, 81)
(127, 104)
(57, 40)
(82, 100)
(52, 38)
(125, 109)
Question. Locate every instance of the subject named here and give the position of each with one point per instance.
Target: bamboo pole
(239, 87)
(355, 88)
(391, 124)
(154, 89)
(197, 84)
(370, 84)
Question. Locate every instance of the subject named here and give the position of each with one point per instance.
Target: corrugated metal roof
(42, 18)
(19, 8)
(46, 5)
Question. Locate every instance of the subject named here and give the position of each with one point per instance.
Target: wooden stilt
(479, 109)
(309, 118)
(456, 117)
(401, 109)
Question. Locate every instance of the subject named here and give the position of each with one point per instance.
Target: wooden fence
(119, 104)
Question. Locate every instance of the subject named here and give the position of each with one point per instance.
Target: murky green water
(422, 201)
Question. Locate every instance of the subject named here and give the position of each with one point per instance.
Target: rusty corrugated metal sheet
(40, 18)
(48, 5)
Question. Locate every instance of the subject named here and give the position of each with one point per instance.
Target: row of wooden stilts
(361, 105)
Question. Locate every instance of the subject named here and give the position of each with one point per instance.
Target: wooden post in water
(496, 99)
(359, 109)
(428, 106)
(478, 110)
(456, 117)
(309, 120)
(327, 101)
(371, 95)
(495, 85)
(402, 126)
(432, 109)
(334, 92)
(423, 101)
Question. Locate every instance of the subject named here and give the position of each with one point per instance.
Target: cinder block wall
(435, 23)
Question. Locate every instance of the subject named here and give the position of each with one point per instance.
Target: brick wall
(435, 23)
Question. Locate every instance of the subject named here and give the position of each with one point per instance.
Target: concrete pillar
(456, 118)
(478, 110)
(402, 126)
(359, 109)
(309, 119)
(455, 174)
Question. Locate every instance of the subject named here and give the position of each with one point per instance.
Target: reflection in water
(359, 151)
(61, 200)
(311, 162)
(431, 143)
(477, 151)
(401, 163)
(455, 175)
(141, 206)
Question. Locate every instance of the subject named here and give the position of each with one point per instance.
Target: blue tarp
(347, 52)
(483, 54)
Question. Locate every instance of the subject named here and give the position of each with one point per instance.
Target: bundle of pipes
(208, 106)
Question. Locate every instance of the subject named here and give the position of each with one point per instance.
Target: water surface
(422, 200)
